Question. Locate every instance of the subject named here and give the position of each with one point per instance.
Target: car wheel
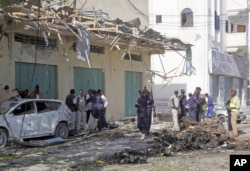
(3, 138)
(62, 130)
(222, 118)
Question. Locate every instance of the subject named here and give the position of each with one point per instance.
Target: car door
(22, 120)
(48, 116)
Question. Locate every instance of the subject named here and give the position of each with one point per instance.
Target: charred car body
(34, 118)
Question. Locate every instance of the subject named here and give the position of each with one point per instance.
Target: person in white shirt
(105, 104)
(175, 109)
(81, 111)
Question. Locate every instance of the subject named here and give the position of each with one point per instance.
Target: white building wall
(203, 36)
(196, 35)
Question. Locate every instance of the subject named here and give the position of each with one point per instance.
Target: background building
(220, 47)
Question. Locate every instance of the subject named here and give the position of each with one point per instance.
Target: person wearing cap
(37, 93)
(175, 108)
(182, 101)
(235, 108)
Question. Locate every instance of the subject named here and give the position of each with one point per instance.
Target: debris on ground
(204, 135)
(128, 156)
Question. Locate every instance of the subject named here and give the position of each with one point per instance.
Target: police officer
(234, 107)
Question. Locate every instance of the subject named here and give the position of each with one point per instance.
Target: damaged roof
(66, 21)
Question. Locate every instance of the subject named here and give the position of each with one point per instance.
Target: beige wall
(119, 9)
(110, 63)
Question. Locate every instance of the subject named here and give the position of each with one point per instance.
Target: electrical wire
(144, 15)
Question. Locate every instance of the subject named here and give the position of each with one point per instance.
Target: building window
(158, 19)
(187, 17)
(93, 48)
(227, 27)
(133, 57)
(34, 40)
(241, 28)
(216, 21)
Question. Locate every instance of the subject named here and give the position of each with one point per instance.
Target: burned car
(34, 118)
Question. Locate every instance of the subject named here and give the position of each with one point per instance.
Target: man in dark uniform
(182, 101)
(144, 105)
(194, 110)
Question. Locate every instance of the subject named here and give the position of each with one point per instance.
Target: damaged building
(60, 48)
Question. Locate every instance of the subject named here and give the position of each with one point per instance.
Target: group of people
(35, 94)
(196, 107)
(199, 106)
(88, 111)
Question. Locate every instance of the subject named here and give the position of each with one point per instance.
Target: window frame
(187, 18)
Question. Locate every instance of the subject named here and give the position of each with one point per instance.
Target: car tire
(62, 130)
(3, 138)
(222, 118)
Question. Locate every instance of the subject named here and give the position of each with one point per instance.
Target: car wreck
(33, 118)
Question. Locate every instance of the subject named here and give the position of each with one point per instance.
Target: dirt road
(93, 151)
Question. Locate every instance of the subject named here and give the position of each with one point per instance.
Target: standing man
(37, 93)
(105, 104)
(88, 103)
(235, 107)
(182, 99)
(187, 105)
(210, 106)
(71, 103)
(195, 102)
(97, 109)
(81, 112)
(174, 100)
(203, 108)
(143, 108)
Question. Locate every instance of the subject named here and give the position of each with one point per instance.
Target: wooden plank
(7, 95)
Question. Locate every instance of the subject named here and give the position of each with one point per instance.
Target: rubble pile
(204, 135)
(128, 156)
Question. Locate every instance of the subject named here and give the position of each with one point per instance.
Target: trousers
(176, 126)
(234, 116)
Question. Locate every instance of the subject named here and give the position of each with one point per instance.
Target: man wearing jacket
(234, 107)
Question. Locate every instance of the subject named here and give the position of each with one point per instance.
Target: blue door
(88, 78)
(27, 75)
(132, 86)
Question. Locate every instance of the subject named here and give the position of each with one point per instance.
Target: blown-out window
(187, 17)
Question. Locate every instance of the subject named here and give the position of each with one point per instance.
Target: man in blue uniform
(195, 100)
(144, 108)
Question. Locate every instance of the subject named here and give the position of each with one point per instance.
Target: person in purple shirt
(210, 106)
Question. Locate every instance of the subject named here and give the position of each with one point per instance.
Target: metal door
(88, 78)
(28, 75)
(132, 86)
